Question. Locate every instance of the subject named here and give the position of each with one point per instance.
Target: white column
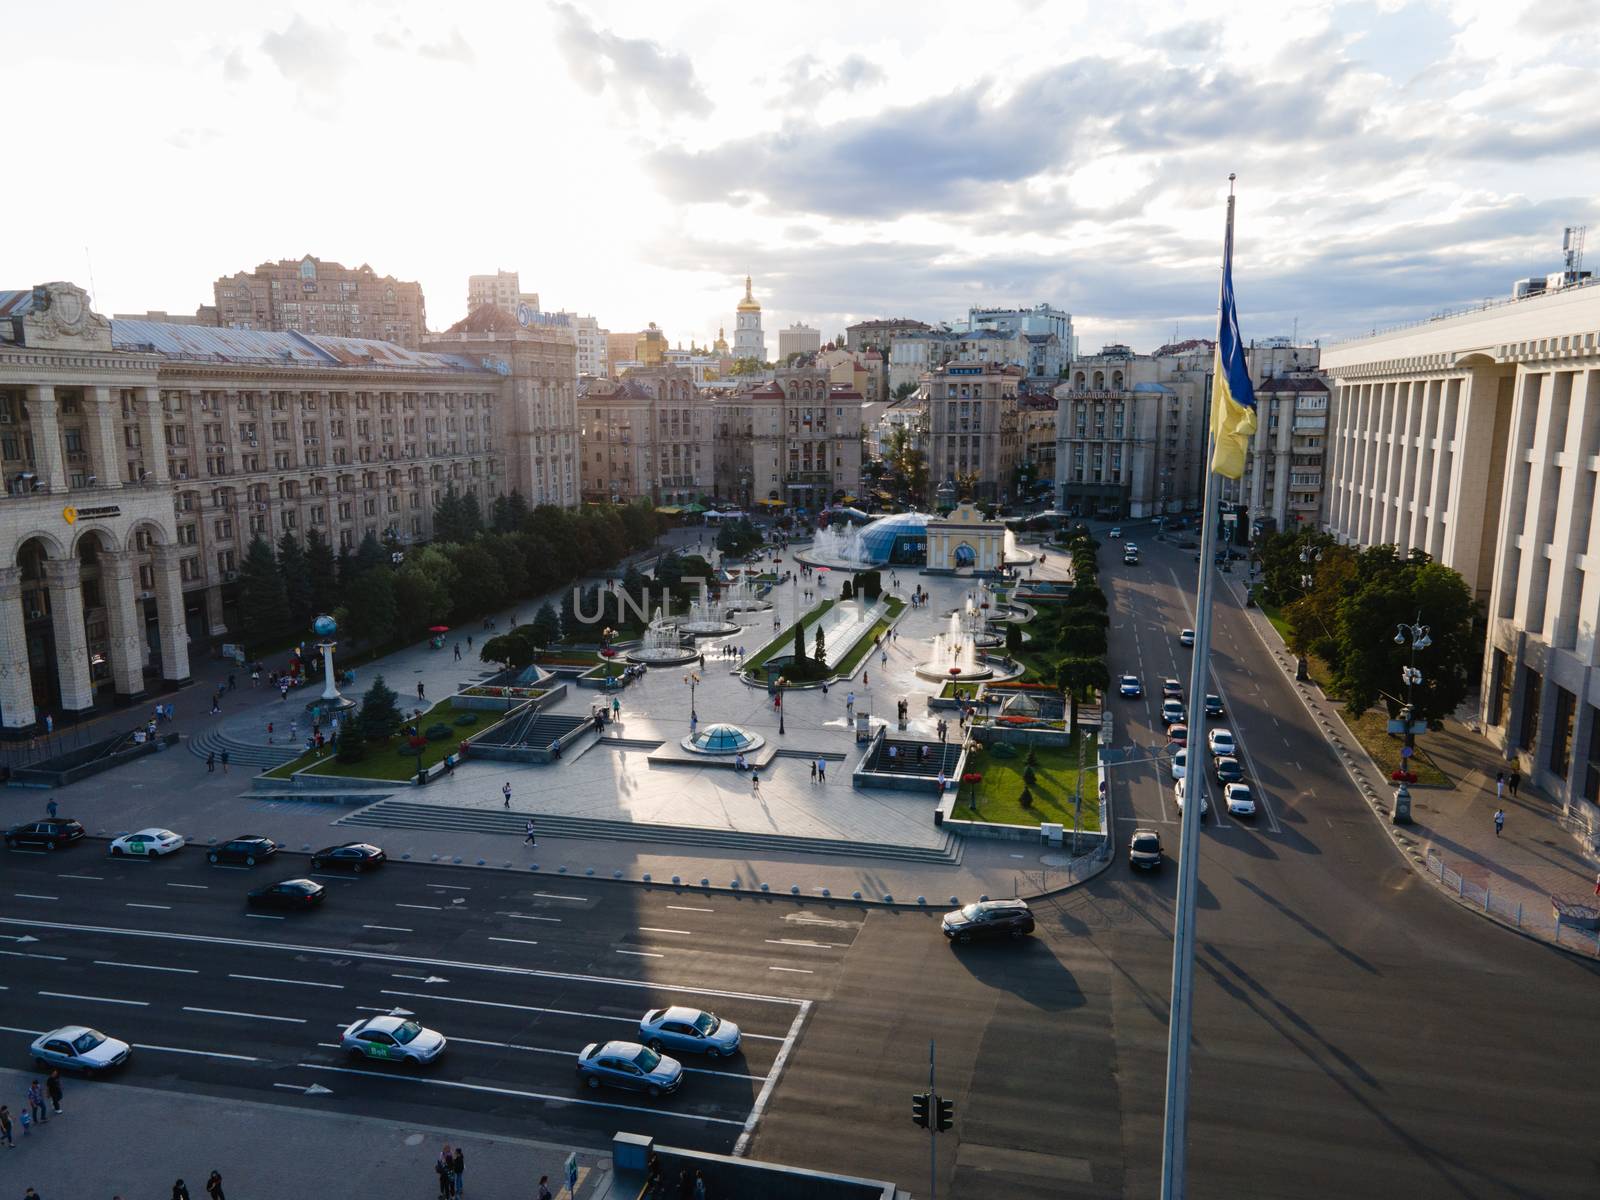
(63, 577)
(105, 442)
(16, 685)
(48, 464)
(169, 614)
(126, 620)
(1470, 471)
(153, 434)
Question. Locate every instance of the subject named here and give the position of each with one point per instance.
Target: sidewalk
(114, 1139)
(1509, 877)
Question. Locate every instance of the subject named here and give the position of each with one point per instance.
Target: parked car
(1228, 770)
(352, 856)
(1130, 687)
(147, 843)
(79, 1048)
(631, 1066)
(1186, 638)
(989, 919)
(1144, 849)
(679, 1028)
(247, 848)
(290, 893)
(1240, 800)
(51, 834)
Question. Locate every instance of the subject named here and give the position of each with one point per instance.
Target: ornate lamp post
(691, 679)
(781, 681)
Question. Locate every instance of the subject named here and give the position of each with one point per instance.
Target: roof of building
(15, 304)
(1042, 337)
(205, 343)
(1188, 346)
(486, 318)
(1292, 383)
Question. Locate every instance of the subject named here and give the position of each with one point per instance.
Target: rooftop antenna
(87, 258)
(1294, 338)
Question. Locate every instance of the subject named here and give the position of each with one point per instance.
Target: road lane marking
(342, 953)
(199, 887)
(390, 928)
(97, 999)
(641, 954)
(105, 962)
(574, 1054)
(689, 908)
(263, 916)
(451, 887)
(792, 970)
(657, 929)
(534, 1008)
(760, 1106)
(566, 1098)
(518, 941)
(133, 904)
(297, 982)
(811, 945)
(95, 877)
(558, 896)
(147, 1046)
(228, 1012)
(528, 917)
(30, 954)
(33, 896)
(429, 907)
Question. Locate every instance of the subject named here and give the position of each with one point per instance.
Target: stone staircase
(240, 754)
(407, 814)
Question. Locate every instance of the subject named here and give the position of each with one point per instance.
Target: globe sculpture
(330, 702)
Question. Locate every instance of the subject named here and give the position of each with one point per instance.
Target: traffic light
(945, 1116)
(919, 1108)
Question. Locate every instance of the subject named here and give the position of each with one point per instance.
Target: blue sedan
(631, 1066)
(689, 1029)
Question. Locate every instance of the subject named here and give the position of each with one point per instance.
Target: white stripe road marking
(534, 1008)
(390, 928)
(103, 962)
(264, 916)
(527, 917)
(689, 908)
(337, 1046)
(641, 954)
(518, 941)
(96, 877)
(199, 887)
(451, 887)
(429, 907)
(760, 1106)
(228, 1012)
(574, 1054)
(811, 945)
(28, 954)
(132, 904)
(33, 896)
(558, 896)
(148, 1046)
(760, 1037)
(655, 929)
(342, 953)
(297, 982)
(432, 1081)
(97, 999)
(793, 970)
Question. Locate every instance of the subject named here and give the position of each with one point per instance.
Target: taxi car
(147, 843)
(393, 1038)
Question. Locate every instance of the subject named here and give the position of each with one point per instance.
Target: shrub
(1002, 750)
(1028, 775)
(437, 733)
(1026, 799)
(467, 719)
(846, 592)
(409, 750)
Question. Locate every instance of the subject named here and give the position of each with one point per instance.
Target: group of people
(450, 1167)
(728, 650)
(33, 1111)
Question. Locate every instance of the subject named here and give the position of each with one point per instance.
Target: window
(1591, 773)
(1561, 743)
(1532, 686)
(1499, 688)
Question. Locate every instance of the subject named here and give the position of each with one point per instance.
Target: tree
(800, 643)
(820, 652)
(471, 516)
(1073, 675)
(294, 568)
(1013, 638)
(480, 586)
(448, 517)
(546, 628)
(263, 603)
(513, 650)
(512, 564)
(508, 512)
(322, 571)
(352, 743)
(369, 554)
(370, 605)
(422, 598)
(1371, 660)
(380, 712)
(904, 390)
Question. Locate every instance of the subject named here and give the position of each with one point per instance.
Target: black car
(291, 893)
(1144, 849)
(989, 919)
(247, 848)
(352, 856)
(47, 835)
(1213, 705)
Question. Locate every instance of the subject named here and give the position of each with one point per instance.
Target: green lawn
(959, 691)
(1055, 784)
(386, 762)
(784, 642)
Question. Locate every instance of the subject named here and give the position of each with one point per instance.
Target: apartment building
(794, 439)
(974, 435)
(646, 436)
(315, 297)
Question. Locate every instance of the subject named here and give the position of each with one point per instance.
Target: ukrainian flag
(1233, 398)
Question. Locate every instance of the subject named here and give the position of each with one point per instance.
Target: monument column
(126, 623)
(16, 684)
(63, 577)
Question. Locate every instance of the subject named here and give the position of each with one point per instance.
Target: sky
(635, 161)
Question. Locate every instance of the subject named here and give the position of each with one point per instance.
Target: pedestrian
(1500, 786)
(446, 1167)
(36, 1103)
(25, 1119)
(544, 1189)
(49, 723)
(52, 1087)
(255, 677)
(755, 785)
(51, 808)
(528, 836)
(1514, 782)
(214, 1186)
(458, 651)
(180, 1191)
(699, 1186)
(458, 1172)
(616, 708)
(1596, 892)
(294, 732)
(866, 680)
(269, 733)
(813, 770)
(443, 1172)
(941, 782)
(822, 770)
(420, 689)
(1499, 821)
(5, 1113)
(469, 641)
(224, 758)
(506, 792)
(283, 689)
(233, 684)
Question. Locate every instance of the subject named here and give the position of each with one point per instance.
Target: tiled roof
(205, 343)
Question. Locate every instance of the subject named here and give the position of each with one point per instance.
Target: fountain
(707, 618)
(740, 596)
(839, 543)
(662, 645)
(955, 652)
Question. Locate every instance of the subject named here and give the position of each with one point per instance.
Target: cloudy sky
(635, 160)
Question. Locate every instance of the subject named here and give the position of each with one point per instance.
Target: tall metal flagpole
(1175, 1130)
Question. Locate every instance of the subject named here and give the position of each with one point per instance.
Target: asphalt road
(1355, 1034)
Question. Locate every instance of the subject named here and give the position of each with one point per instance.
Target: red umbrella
(438, 629)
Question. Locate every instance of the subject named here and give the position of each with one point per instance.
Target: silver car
(629, 1065)
(692, 1029)
(79, 1048)
(393, 1038)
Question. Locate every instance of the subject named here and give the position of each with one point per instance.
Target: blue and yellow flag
(1233, 397)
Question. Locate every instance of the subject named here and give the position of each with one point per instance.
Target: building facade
(798, 339)
(1282, 485)
(1476, 438)
(141, 458)
(646, 436)
(503, 289)
(593, 356)
(1040, 319)
(974, 435)
(794, 439)
(748, 340)
(880, 332)
(315, 297)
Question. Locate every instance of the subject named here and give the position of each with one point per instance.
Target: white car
(1180, 764)
(1221, 743)
(79, 1048)
(1177, 794)
(1186, 638)
(1115, 532)
(147, 843)
(394, 1038)
(1131, 548)
(1240, 801)
(1172, 711)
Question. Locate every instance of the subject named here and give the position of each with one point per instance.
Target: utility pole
(937, 1115)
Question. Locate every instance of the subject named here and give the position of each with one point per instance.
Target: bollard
(482, 862)
(562, 869)
(675, 879)
(922, 899)
(306, 849)
(434, 858)
(794, 889)
(765, 887)
(704, 882)
(588, 871)
(953, 900)
(647, 876)
(508, 864)
(734, 884)
(826, 892)
(456, 860)
(533, 866)
(616, 874)
(887, 898)
(983, 899)
(406, 856)
(856, 895)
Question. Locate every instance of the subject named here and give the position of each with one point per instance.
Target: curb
(1402, 843)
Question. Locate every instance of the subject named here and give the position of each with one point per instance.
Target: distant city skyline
(1393, 159)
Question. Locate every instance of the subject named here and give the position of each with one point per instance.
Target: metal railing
(1541, 922)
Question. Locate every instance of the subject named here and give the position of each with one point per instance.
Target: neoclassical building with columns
(1476, 438)
(140, 458)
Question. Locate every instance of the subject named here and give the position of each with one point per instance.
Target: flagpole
(1180, 1022)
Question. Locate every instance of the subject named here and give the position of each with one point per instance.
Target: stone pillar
(16, 685)
(153, 434)
(48, 465)
(63, 578)
(214, 620)
(169, 613)
(126, 619)
(105, 443)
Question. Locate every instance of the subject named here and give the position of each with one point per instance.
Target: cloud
(631, 69)
(234, 69)
(312, 57)
(810, 80)
(192, 137)
(453, 49)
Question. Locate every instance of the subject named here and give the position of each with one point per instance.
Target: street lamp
(691, 679)
(781, 682)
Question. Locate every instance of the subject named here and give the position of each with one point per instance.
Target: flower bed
(501, 693)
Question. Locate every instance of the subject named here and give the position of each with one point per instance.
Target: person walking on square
(180, 1190)
(1500, 786)
(529, 838)
(224, 760)
(1499, 821)
(36, 1103)
(506, 792)
(5, 1123)
(51, 808)
(458, 1171)
(616, 707)
(755, 785)
(214, 1186)
(1597, 885)
(52, 1087)
(1514, 782)
(822, 770)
